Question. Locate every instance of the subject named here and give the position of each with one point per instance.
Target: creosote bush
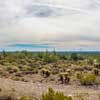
(64, 78)
(27, 98)
(45, 72)
(96, 71)
(74, 56)
(52, 95)
(88, 79)
(78, 75)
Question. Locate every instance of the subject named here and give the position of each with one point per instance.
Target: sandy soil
(18, 88)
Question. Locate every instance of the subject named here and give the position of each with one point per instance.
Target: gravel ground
(18, 88)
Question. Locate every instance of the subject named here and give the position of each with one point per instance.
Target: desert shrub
(48, 57)
(82, 63)
(74, 56)
(45, 72)
(51, 59)
(64, 57)
(48, 67)
(97, 66)
(27, 98)
(88, 79)
(8, 68)
(78, 75)
(52, 95)
(96, 71)
(25, 68)
(23, 61)
(69, 71)
(15, 69)
(30, 72)
(61, 78)
(23, 98)
(55, 71)
(23, 79)
(35, 71)
(12, 69)
(19, 74)
(90, 62)
(2, 62)
(16, 78)
(67, 79)
(64, 78)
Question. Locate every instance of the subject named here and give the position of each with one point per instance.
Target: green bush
(78, 75)
(48, 57)
(90, 61)
(27, 98)
(88, 79)
(25, 68)
(16, 78)
(74, 56)
(11, 69)
(45, 72)
(52, 95)
(51, 58)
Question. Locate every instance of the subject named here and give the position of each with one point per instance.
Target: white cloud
(63, 23)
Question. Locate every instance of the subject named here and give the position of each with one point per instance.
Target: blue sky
(47, 24)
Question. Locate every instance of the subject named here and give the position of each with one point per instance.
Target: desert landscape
(49, 50)
(30, 74)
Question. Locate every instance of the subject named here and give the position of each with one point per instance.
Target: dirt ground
(18, 88)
